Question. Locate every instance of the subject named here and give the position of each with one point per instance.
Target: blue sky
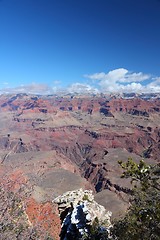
(81, 45)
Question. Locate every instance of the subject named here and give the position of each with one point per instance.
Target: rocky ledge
(78, 212)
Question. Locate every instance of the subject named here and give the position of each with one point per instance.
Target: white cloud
(154, 86)
(122, 80)
(116, 75)
(96, 76)
(82, 88)
(135, 77)
(132, 87)
(115, 81)
(33, 88)
(44, 89)
(121, 75)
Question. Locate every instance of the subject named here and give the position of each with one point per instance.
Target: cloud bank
(82, 88)
(33, 88)
(118, 80)
(121, 80)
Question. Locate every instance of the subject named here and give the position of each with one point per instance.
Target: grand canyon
(53, 144)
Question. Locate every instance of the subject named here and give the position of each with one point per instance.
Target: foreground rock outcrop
(78, 213)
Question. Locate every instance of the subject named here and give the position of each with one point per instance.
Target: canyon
(52, 144)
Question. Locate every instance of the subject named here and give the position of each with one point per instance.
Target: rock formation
(78, 211)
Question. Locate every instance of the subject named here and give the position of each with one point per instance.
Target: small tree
(143, 218)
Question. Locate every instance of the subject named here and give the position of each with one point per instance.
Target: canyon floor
(50, 145)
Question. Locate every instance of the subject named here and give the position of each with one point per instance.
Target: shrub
(143, 218)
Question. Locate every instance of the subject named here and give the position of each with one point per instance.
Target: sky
(79, 46)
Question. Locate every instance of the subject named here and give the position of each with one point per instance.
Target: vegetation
(143, 218)
(86, 198)
(96, 232)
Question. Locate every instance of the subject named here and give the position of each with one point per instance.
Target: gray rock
(78, 211)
